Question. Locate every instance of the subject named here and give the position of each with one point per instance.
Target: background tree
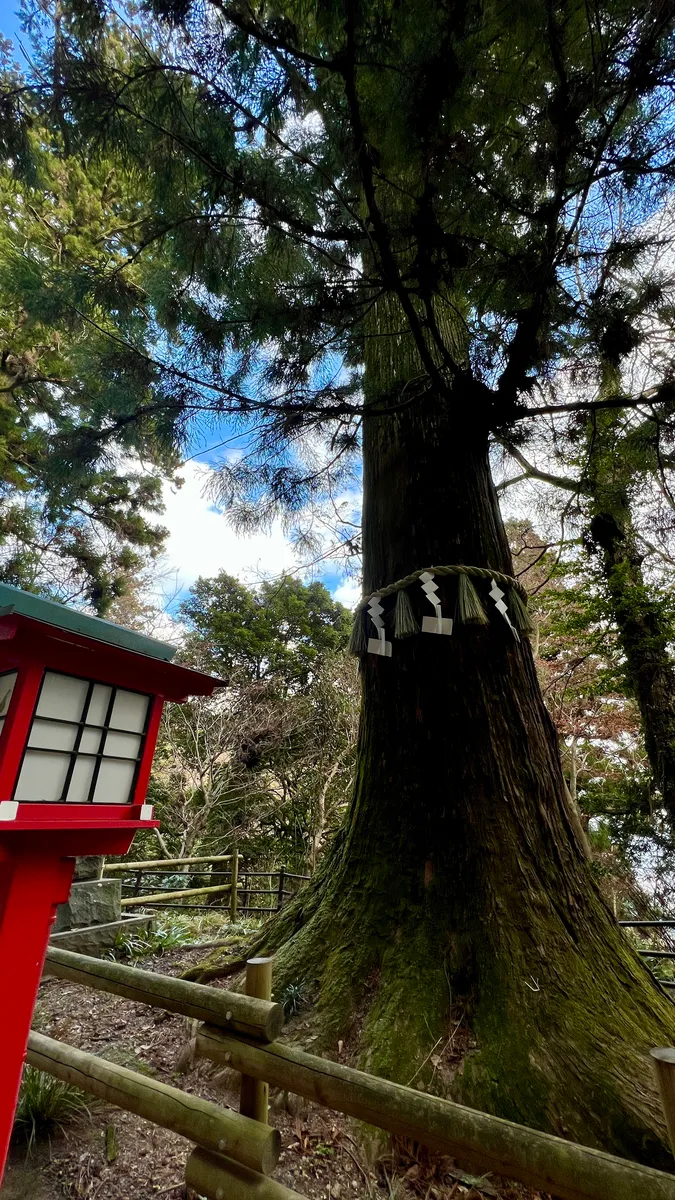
(280, 630)
(77, 503)
(268, 763)
(614, 468)
(394, 198)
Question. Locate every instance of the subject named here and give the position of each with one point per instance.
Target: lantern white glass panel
(52, 735)
(115, 781)
(84, 743)
(62, 696)
(80, 780)
(129, 711)
(42, 777)
(98, 705)
(122, 745)
(90, 742)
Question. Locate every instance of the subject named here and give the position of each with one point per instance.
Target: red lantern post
(80, 705)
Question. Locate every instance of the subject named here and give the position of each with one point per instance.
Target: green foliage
(319, 186)
(77, 504)
(268, 764)
(164, 934)
(292, 998)
(45, 1104)
(280, 630)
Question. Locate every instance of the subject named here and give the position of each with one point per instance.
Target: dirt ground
(108, 1154)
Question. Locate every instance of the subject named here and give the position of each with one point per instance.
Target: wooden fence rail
(667, 950)
(109, 868)
(237, 893)
(254, 1145)
(477, 1140)
(157, 898)
(217, 1177)
(247, 1015)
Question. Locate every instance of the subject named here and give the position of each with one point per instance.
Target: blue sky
(9, 22)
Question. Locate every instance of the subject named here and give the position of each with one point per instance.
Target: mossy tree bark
(459, 878)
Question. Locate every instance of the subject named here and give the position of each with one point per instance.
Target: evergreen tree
(279, 631)
(76, 516)
(396, 200)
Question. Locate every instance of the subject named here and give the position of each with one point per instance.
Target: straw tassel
(519, 614)
(358, 642)
(405, 623)
(470, 611)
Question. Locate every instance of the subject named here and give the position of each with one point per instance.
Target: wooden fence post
(137, 885)
(254, 1099)
(280, 893)
(664, 1065)
(234, 884)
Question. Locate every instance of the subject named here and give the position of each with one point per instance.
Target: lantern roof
(49, 612)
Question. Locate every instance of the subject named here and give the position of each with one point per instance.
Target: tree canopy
(280, 630)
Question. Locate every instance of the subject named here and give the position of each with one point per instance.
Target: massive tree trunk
(459, 884)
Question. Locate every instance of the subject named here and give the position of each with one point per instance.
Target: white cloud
(202, 542)
(348, 593)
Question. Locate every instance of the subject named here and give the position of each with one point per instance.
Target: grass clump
(45, 1104)
(140, 943)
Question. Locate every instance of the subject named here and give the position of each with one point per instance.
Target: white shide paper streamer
(378, 645)
(498, 596)
(439, 623)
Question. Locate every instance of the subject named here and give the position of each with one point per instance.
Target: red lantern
(80, 705)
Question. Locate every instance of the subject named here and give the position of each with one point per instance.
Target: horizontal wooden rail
(164, 862)
(475, 1139)
(256, 1146)
(216, 1177)
(229, 1010)
(157, 897)
(657, 953)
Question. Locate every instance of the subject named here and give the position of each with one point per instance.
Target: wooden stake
(664, 1065)
(220, 1178)
(234, 885)
(255, 1094)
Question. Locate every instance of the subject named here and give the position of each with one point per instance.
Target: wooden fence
(153, 884)
(235, 1152)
